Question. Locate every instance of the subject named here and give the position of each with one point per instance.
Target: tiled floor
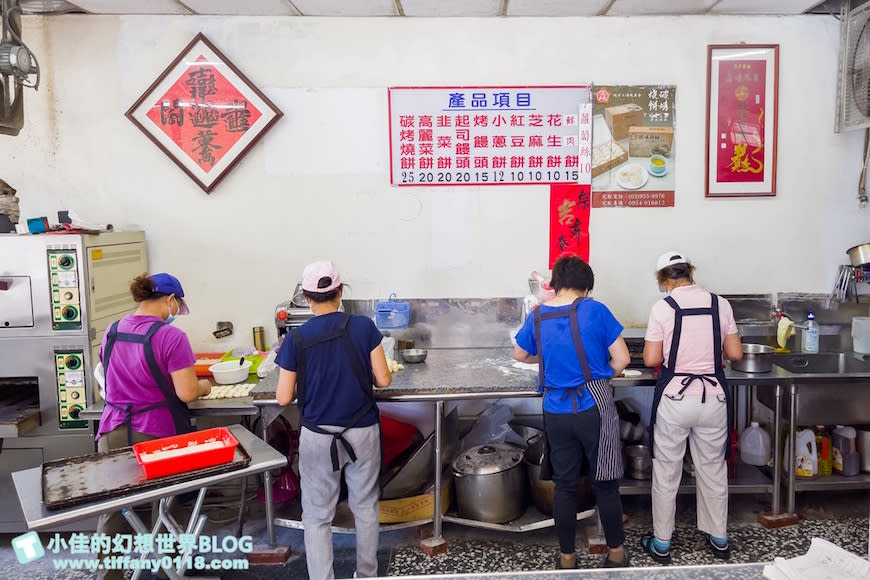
(840, 518)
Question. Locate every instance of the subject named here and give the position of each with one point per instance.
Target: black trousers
(573, 441)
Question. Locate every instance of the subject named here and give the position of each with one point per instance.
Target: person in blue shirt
(329, 365)
(578, 346)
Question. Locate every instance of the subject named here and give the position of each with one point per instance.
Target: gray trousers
(705, 425)
(320, 488)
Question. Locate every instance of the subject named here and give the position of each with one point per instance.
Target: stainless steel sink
(833, 388)
(823, 363)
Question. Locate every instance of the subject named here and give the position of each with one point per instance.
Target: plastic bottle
(805, 458)
(847, 461)
(810, 336)
(824, 450)
(755, 445)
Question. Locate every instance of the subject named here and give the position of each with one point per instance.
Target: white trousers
(320, 488)
(706, 427)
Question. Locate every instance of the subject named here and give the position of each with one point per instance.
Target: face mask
(171, 318)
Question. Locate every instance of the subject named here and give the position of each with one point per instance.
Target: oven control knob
(74, 411)
(74, 395)
(69, 312)
(67, 295)
(65, 262)
(72, 362)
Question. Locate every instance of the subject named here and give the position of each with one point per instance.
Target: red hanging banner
(569, 221)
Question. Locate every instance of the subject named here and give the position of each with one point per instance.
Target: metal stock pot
(543, 491)
(859, 255)
(757, 358)
(490, 483)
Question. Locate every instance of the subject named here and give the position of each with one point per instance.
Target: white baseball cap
(670, 259)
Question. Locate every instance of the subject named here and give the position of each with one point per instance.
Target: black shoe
(559, 563)
(646, 543)
(608, 563)
(723, 553)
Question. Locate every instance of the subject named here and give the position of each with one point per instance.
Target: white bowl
(229, 372)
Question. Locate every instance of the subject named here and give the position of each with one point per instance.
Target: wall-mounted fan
(18, 69)
(853, 88)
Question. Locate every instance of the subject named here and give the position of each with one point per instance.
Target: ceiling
(436, 8)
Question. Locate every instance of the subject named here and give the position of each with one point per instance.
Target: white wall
(240, 250)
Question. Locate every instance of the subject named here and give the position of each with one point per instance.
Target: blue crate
(391, 314)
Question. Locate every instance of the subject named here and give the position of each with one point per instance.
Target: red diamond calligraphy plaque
(204, 113)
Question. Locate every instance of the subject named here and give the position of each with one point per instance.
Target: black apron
(177, 409)
(364, 380)
(609, 455)
(666, 373)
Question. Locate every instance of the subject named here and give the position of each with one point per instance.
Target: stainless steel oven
(58, 293)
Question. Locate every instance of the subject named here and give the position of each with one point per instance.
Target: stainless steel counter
(488, 373)
(199, 408)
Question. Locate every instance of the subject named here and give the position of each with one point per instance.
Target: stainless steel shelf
(289, 515)
(834, 483)
(747, 479)
(531, 520)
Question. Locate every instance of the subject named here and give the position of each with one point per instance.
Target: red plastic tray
(188, 461)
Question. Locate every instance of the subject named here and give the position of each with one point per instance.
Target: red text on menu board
(204, 114)
(569, 221)
(740, 151)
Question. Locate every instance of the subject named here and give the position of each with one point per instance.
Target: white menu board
(490, 135)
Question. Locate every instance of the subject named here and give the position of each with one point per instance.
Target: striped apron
(609, 464)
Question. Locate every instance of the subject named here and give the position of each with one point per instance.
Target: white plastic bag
(491, 426)
(389, 345)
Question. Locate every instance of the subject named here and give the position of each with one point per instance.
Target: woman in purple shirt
(149, 370)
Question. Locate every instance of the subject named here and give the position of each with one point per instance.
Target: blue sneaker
(660, 556)
(719, 551)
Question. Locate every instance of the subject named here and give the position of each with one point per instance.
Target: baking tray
(86, 478)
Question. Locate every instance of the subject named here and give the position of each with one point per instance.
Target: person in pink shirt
(689, 333)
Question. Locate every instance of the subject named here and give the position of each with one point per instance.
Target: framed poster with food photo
(742, 91)
(203, 113)
(634, 158)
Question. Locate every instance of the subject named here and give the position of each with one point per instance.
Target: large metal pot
(543, 491)
(859, 255)
(638, 462)
(490, 483)
(757, 358)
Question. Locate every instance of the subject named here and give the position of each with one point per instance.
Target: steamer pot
(490, 483)
(757, 358)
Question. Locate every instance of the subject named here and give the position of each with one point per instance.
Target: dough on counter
(631, 373)
(526, 366)
(229, 391)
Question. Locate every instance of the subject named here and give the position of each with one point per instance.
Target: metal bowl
(757, 358)
(413, 355)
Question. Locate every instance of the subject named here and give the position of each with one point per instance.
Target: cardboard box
(415, 507)
(621, 117)
(606, 156)
(642, 140)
